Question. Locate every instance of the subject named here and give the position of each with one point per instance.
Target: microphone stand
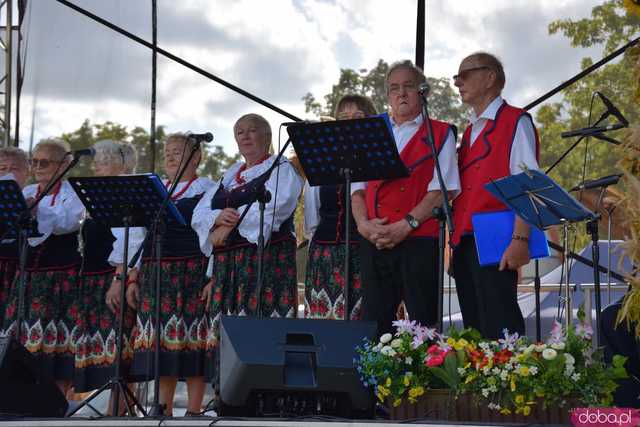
(157, 231)
(263, 196)
(26, 223)
(442, 214)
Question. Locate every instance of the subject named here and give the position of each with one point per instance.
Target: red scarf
(184, 190)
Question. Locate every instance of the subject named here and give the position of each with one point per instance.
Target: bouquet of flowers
(510, 374)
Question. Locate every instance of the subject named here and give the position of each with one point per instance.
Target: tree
(215, 161)
(444, 102)
(610, 27)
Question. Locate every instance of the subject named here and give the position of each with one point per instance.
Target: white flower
(540, 347)
(386, 338)
(575, 376)
(549, 354)
(494, 406)
(396, 343)
(504, 375)
(386, 350)
(495, 371)
(485, 392)
(493, 389)
(377, 347)
(533, 370)
(529, 349)
(462, 371)
(558, 345)
(408, 360)
(568, 371)
(569, 359)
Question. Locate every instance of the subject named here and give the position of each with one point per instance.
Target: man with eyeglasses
(498, 142)
(399, 255)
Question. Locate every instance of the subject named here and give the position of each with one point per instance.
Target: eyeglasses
(42, 163)
(348, 115)
(464, 74)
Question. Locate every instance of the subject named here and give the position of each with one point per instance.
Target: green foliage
(444, 102)
(214, 163)
(611, 27)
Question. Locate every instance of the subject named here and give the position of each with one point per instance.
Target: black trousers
(488, 297)
(620, 340)
(407, 272)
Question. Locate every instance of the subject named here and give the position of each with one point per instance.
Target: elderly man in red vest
(499, 141)
(399, 255)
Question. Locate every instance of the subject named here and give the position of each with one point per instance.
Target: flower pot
(441, 405)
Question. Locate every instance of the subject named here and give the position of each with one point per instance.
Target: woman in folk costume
(182, 274)
(51, 278)
(14, 165)
(99, 289)
(324, 219)
(232, 289)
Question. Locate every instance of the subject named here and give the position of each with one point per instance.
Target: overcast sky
(278, 50)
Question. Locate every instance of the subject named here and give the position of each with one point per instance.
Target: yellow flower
(632, 6)
(397, 403)
(513, 383)
(519, 399)
(451, 341)
(505, 411)
(460, 344)
(524, 371)
(416, 391)
(388, 382)
(406, 380)
(382, 390)
(526, 411)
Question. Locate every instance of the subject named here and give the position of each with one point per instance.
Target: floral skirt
(49, 321)
(234, 290)
(97, 338)
(8, 268)
(324, 282)
(182, 319)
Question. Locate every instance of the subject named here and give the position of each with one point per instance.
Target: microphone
(612, 109)
(591, 130)
(201, 137)
(424, 89)
(598, 183)
(89, 152)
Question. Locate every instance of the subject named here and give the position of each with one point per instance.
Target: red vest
(395, 198)
(488, 159)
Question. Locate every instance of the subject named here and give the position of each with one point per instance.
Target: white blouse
(277, 211)
(57, 213)
(138, 234)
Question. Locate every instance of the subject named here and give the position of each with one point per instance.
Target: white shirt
(138, 234)
(523, 149)
(447, 157)
(62, 217)
(289, 186)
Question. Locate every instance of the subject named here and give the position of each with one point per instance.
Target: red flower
(221, 258)
(278, 271)
(253, 303)
(73, 311)
(268, 296)
(105, 322)
(435, 360)
(66, 286)
(285, 299)
(502, 356)
(93, 319)
(239, 257)
(179, 301)
(326, 253)
(35, 305)
(217, 295)
(191, 264)
(11, 309)
(166, 306)
(146, 305)
(356, 283)
(191, 307)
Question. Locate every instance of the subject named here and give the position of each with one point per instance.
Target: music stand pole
(445, 205)
(536, 287)
(567, 301)
(347, 235)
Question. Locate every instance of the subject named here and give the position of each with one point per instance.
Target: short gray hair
(59, 147)
(118, 152)
(15, 153)
(404, 65)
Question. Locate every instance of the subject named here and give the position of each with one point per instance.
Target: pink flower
(435, 360)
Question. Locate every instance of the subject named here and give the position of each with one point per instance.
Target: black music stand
(122, 201)
(542, 203)
(15, 223)
(346, 151)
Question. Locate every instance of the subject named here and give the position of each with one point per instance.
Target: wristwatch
(413, 223)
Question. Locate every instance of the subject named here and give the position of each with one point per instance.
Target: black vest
(97, 240)
(332, 216)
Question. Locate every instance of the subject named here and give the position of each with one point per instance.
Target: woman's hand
(133, 295)
(228, 217)
(205, 294)
(219, 235)
(112, 298)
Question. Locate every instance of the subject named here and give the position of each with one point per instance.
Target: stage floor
(228, 422)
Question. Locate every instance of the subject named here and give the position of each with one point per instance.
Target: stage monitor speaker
(291, 367)
(24, 389)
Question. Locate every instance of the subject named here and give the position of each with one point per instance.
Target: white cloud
(277, 50)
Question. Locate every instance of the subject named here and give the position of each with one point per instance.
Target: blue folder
(493, 232)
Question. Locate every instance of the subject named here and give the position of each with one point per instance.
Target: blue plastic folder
(493, 232)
